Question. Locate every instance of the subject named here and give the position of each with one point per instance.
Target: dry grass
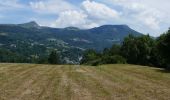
(69, 82)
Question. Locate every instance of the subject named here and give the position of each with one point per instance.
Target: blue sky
(146, 16)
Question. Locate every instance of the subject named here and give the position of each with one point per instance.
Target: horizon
(146, 17)
(59, 27)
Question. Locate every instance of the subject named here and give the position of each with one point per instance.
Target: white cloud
(92, 15)
(71, 18)
(146, 15)
(74, 18)
(90, 24)
(51, 6)
(38, 5)
(99, 10)
(139, 14)
(149, 16)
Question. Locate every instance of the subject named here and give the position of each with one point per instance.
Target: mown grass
(71, 82)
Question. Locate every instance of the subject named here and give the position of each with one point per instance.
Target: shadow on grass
(163, 70)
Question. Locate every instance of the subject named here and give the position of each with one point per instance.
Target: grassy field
(71, 82)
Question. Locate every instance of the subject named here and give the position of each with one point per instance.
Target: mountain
(30, 39)
(31, 24)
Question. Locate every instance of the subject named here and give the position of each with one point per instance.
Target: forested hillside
(33, 43)
(141, 50)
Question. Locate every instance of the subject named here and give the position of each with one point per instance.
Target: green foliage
(115, 59)
(138, 50)
(8, 56)
(43, 60)
(30, 43)
(129, 49)
(113, 56)
(142, 50)
(163, 46)
(90, 57)
(95, 62)
(114, 50)
(54, 58)
(109, 56)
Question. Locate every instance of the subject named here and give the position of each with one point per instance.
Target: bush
(90, 56)
(96, 62)
(115, 59)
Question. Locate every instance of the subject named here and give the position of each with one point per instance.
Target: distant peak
(31, 24)
(71, 28)
(111, 26)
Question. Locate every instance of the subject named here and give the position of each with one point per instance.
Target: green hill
(29, 40)
(74, 82)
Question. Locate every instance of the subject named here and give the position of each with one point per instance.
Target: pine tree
(54, 58)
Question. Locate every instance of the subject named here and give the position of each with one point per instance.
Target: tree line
(142, 50)
(7, 56)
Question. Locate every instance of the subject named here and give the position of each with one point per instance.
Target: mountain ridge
(30, 39)
(35, 24)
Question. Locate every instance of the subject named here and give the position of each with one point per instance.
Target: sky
(146, 16)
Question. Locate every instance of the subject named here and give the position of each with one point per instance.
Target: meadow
(75, 82)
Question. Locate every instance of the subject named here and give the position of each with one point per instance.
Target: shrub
(115, 59)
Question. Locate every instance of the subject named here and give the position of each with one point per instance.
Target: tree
(115, 50)
(90, 57)
(54, 58)
(138, 50)
(163, 46)
(129, 49)
(145, 46)
(112, 56)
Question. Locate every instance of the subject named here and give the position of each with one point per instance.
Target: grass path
(69, 82)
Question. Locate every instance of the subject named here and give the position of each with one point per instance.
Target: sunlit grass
(63, 82)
